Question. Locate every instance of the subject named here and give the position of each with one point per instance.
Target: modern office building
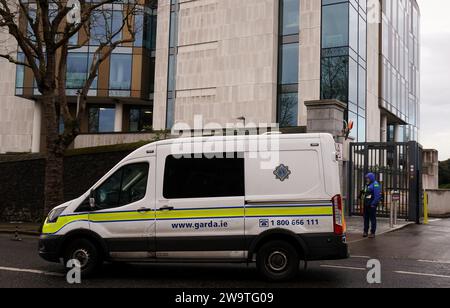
(262, 59)
(255, 59)
(120, 99)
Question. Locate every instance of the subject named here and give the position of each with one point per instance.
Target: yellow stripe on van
(192, 214)
(289, 211)
(121, 216)
(50, 228)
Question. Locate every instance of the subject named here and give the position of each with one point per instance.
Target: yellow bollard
(425, 208)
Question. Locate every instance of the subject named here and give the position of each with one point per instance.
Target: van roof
(238, 137)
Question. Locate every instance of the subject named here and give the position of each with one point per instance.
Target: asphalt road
(417, 256)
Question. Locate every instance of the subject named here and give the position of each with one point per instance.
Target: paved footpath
(415, 256)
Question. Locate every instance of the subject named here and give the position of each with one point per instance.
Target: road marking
(360, 257)
(30, 271)
(434, 261)
(344, 267)
(434, 220)
(422, 274)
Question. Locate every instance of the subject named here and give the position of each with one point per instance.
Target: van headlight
(54, 215)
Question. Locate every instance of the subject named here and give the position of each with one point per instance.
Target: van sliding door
(200, 212)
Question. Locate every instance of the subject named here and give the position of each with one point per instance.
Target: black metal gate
(398, 167)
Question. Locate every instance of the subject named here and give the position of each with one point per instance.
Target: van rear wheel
(278, 261)
(86, 253)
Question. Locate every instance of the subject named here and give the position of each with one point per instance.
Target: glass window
(170, 121)
(139, 28)
(125, 186)
(362, 88)
(335, 25)
(288, 110)
(20, 71)
(361, 129)
(116, 25)
(353, 29)
(289, 63)
(120, 72)
(101, 120)
(171, 81)
(354, 132)
(173, 24)
(203, 177)
(73, 40)
(335, 78)
(140, 119)
(77, 67)
(290, 11)
(362, 38)
(99, 26)
(353, 81)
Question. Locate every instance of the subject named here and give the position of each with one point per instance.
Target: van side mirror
(92, 200)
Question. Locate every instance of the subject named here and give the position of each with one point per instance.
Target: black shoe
(365, 235)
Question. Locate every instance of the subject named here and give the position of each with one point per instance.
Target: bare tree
(43, 30)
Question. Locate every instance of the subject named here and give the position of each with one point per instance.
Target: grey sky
(435, 78)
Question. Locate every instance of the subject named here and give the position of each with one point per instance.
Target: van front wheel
(86, 253)
(277, 261)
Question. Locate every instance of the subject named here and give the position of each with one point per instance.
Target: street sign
(396, 196)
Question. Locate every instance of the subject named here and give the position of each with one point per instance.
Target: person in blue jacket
(372, 198)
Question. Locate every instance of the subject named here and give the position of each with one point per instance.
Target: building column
(384, 128)
(118, 120)
(397, 132)
(37, 125)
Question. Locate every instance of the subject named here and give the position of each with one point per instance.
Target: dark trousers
(370, 217)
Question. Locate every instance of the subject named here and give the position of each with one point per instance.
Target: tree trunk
(54, 177)
(54, 167)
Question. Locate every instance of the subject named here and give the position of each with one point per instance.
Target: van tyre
(278, 261)
(86, 253)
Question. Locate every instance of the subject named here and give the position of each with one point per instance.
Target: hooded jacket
(373, 191)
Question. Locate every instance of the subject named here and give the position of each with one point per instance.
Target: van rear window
(204, 177)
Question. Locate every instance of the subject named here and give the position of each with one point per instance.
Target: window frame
(121, 169)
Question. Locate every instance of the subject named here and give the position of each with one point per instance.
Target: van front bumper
(49, 247)
(323, 247)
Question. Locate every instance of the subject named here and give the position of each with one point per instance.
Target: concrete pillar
(118, 120)
(37, 125)
(384, 128)
(326, 116)
(397, 134)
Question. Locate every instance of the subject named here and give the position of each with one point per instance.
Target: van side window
(204, 177)
(125, 186)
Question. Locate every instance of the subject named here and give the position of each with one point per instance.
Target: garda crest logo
(282, 172)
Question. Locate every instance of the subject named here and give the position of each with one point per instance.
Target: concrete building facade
(258, 60)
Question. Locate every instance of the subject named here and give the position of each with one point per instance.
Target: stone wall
(97, 140)
(22, 181)
(438, 203)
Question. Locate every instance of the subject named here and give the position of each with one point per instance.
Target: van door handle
(167, 208)
(144, 210)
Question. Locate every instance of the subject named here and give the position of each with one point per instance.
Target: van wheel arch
(88, 235)
(282, 235)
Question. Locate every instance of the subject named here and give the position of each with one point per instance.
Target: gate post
(415, 170)
(327, 116)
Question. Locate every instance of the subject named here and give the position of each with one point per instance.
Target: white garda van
(209, 199)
